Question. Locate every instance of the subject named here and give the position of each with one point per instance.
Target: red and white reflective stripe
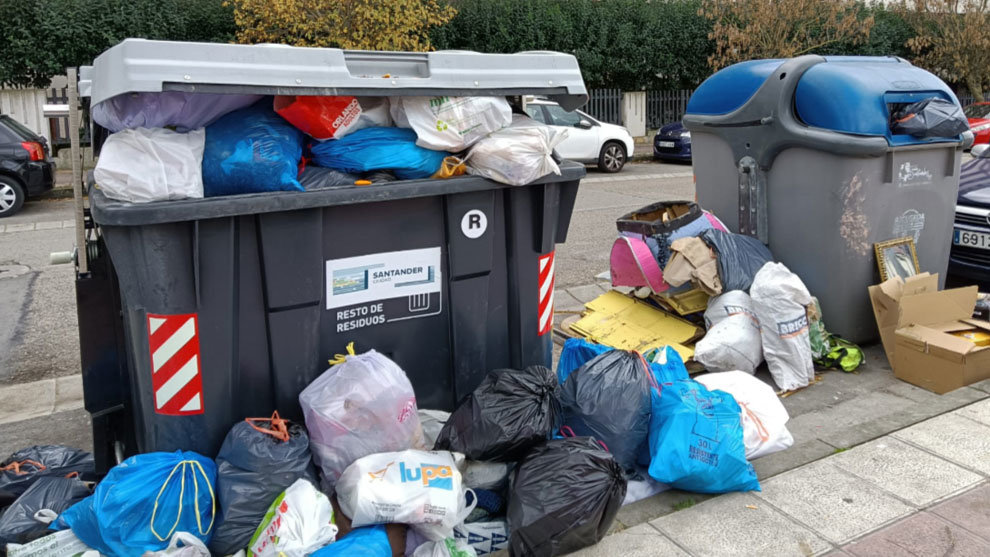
(546, 293)
(173, 341)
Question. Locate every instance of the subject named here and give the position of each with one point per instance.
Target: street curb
(57, 193)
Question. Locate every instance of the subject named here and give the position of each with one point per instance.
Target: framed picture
(897, 258)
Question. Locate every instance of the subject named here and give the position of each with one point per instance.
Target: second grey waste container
(800, 154)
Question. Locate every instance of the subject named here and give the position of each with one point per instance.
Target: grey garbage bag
(564, 496)
(317, 177)
(258, 460)
(24, 467)
(19, 523)
(608, 398)
(931, 117)
(739, 257)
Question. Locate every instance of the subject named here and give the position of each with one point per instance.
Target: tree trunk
(975, 89)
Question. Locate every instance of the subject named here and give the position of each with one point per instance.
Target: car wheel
(612, 158)
(11, 196)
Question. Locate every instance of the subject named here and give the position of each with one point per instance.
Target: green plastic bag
(827, 350)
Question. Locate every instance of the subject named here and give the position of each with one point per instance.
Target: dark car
(672, 142)
(969, 259)
(25, 168)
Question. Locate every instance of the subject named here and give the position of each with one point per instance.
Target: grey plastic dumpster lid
(139, 65)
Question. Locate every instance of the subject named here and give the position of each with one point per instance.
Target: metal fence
(605, 105)
(664, 107)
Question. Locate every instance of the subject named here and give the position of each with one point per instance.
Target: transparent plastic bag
(450, 123)
(144, 165)
(298, 522)
(517, 155)
(362, 406)
(764, 417)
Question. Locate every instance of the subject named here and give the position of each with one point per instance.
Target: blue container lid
(846, 94)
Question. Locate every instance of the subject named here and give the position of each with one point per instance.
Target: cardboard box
(916, 321)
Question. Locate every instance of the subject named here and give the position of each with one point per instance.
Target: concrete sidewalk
(923, 490)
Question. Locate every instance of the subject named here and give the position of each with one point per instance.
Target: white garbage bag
(432, 422)
(420, 488)
(730, 303)
(484, 537)
(297, 523)
(447, 547)
(151, 164)
(191, 546)
(732, 343)
(781, 301)
(60, 544)
(450, 123)
(363, 406)
(517, 155)
(764, 418)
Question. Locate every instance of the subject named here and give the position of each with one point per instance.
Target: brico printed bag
(781, 301)
(360, 407)
(420, 488)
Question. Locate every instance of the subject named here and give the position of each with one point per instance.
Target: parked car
(672, 142)
(979, 121)
(969, 258)
(588, 140)
(25, 167)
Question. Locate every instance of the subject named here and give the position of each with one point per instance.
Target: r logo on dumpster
(173, 342)
(474, 223)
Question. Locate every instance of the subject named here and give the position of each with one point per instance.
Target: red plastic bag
(320, 117)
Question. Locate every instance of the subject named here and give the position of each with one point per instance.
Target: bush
(43, 37)
(629, 44)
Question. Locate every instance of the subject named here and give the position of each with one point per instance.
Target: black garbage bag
(18, 523)
(509, 413)
(564, 496)
(255, 464)
(608, 398)
(739, 257)
(24, 467)
(317, 177)
(931, 117)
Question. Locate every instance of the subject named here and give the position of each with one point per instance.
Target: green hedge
(629, 44)
(40, 38)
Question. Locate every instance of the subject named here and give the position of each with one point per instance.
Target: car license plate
(972, 239)
(666, 144)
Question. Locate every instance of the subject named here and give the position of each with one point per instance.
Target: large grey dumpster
(800, 154)
(259, 290)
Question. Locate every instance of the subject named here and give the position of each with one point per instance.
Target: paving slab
(852, 412)
(640, 541)
(979, 412)
(798, 455)
(908, 472)
(982, 385)
(47, 225)
(833, 503)
(563, 301)
(953, 437)
(738, 524)
(921, 534)
(970, 510)
(586, 293)
(658, 505)
(20, 227)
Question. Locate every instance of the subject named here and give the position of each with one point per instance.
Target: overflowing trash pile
(681, 265)
(534, 461)
(173, 145)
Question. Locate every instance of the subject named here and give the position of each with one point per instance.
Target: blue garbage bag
(370, 541)
(143, 501)
(251, 150)
(696, 438)
(576, 353)
(370, 149)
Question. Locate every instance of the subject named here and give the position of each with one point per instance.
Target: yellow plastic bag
(451, 166)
